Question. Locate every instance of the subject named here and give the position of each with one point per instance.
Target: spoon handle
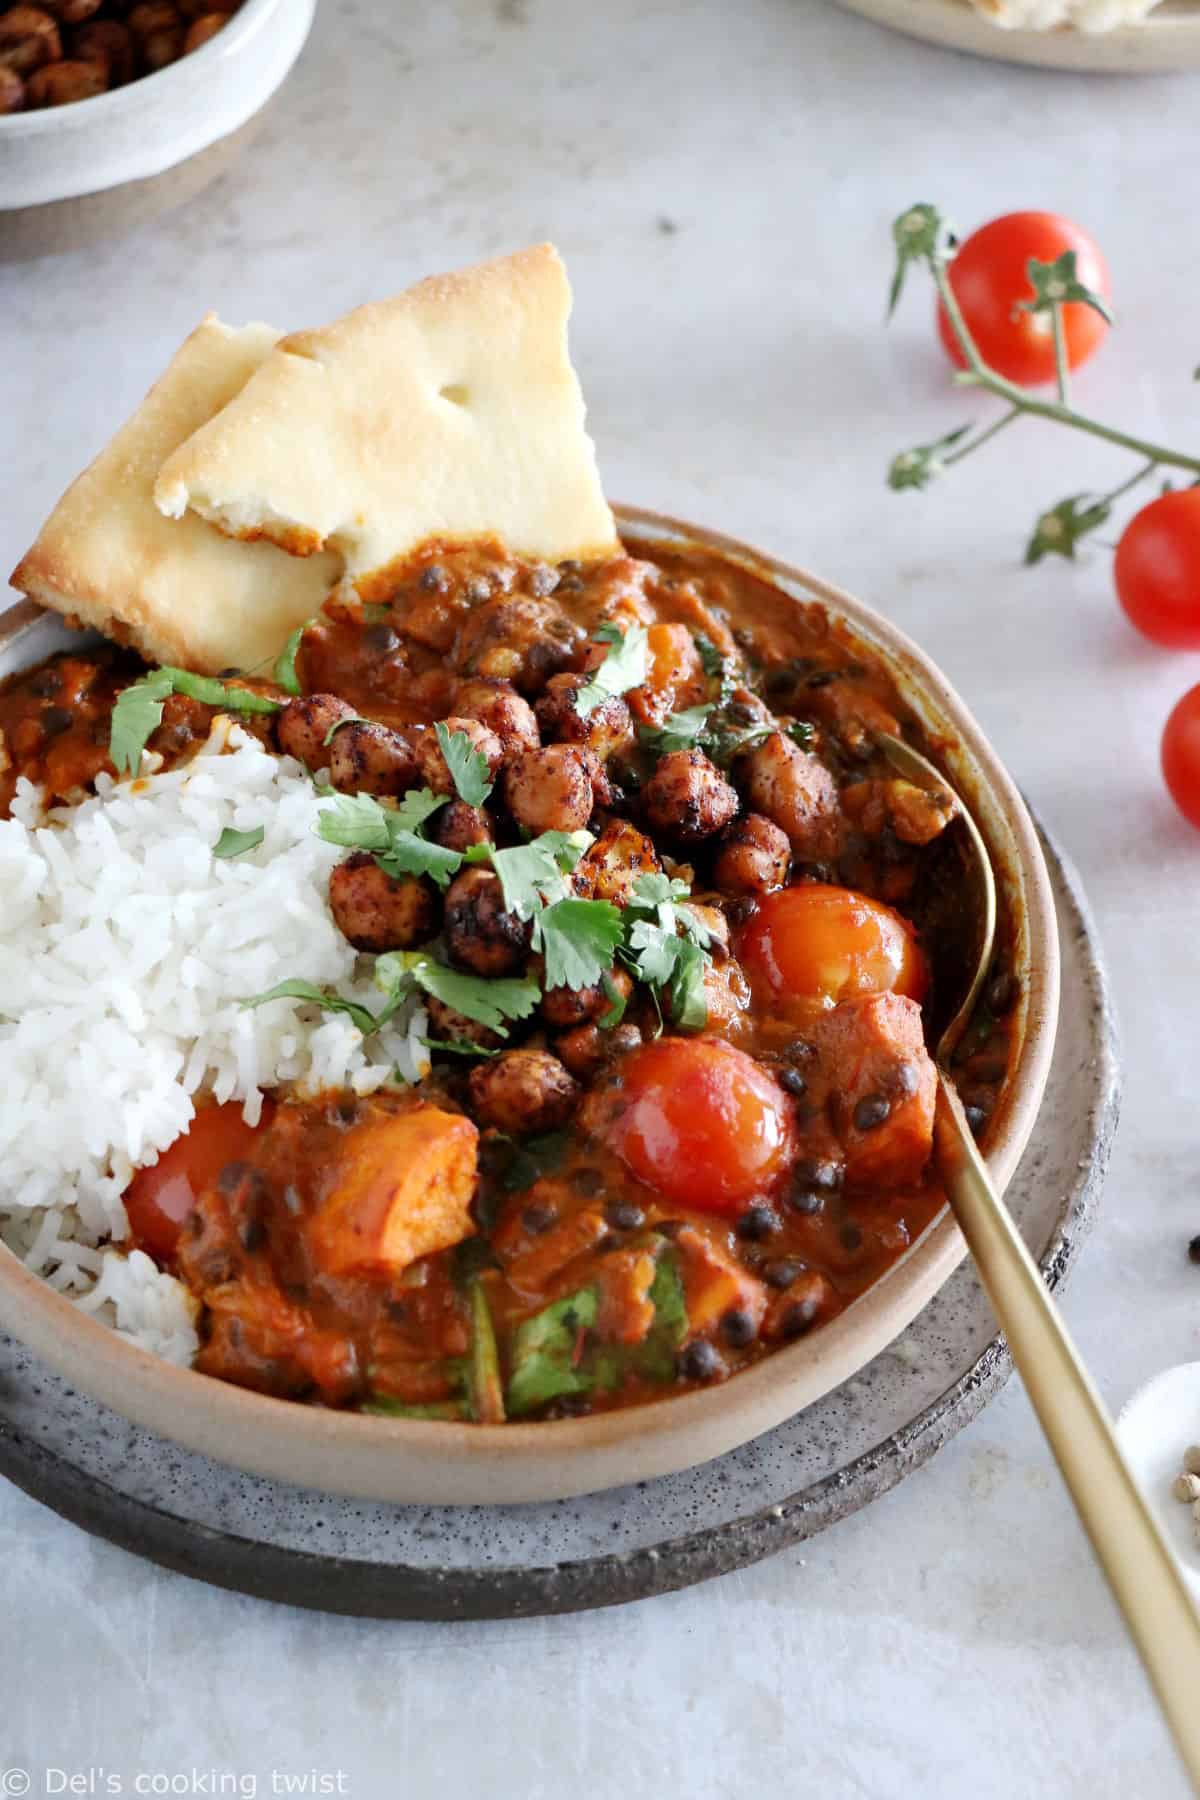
(1130, 1548)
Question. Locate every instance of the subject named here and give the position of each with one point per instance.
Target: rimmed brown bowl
(435, 1462)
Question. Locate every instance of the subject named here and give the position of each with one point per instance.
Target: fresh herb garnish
(486, 1002)
(682, 731)
(363, 1017)
(618, 1002)
(393, 835)
(284, 673)
(666, 946)
(235, 843)
(458, 1047)
(623, 668)
(578, 939)
(532, 875)
(468, 766)
(139, 709)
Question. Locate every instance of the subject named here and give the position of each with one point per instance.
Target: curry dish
(623, 826)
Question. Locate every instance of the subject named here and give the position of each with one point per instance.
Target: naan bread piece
(450, 412)
(179, 591)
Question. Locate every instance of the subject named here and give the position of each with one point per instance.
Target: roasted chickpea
(455, 1027)
(752, 856)
(480, 935)
(12, 90)
(566, 1007)
(365, 758)
(459, 826)
(108, 43)
(523, 1091)
(199, 9)
(795, 791)
(434, 771)
(153, 15)
(607, 728)
(498, 705)
(550, 789)
(62, 83)
(303, 725)
(29, 39)
(378, 912)
(203, 28)
(589, 1048)
(687, 798)
(72, 12)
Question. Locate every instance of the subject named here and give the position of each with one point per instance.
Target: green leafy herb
(485, 1384)
(350, 719)
(655, 1356)
(578, 939)
(612, 1018)
(682, 731)
(545, 1353)
(666, 946)
(235, 843)
(139, 709)
(488, 1003)
(363, 1017)
(623, 668)
(284, 673)
(458, 1047)
(532, 875)
(468, 766)
(381, 1406)
(394, 836)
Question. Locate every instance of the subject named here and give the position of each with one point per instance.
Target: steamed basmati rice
(125, 951)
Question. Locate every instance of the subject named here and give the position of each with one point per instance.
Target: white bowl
(124, 141)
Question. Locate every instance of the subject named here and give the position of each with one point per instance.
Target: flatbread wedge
(177, 590)
(449, 412)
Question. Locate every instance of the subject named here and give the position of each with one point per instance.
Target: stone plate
(358, 1557)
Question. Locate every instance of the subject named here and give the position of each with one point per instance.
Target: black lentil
(757, 1223)
(871, 1111)
(701, 1361)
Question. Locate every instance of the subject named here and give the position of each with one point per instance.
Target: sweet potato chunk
(886, 1089)
(401, 1188)
(714, 1283)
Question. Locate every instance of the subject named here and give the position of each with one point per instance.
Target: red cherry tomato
(1157, 570)
(1181, 756)
(822, 944)
(989, 278)
(159, 1199)
(701, 1122)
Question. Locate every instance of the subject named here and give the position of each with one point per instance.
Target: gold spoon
(1129, 1546)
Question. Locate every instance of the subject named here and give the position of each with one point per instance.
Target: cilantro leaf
(139, 709)
(357, 821)
(284, 673)
(458, 1047)
(411, 854)
(532, 874)
(681, 731)
(689, 1004)
(363, 1017)
(468, 766)
(666, 946)
(486, 1002)
(616, 1012)
(417, 805)
(624, 667)
(236, 843)
(578, 939)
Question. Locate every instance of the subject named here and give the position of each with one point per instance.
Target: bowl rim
(439, 1462)
(243, 25)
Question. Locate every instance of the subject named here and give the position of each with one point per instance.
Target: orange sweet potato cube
(886, 1089)
(401, 1188)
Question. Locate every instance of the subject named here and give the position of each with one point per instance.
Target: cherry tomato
(701, 1122)
(1157, 570)
(990, 279)
(1181, 756)
(160, 1198)
(822, 944)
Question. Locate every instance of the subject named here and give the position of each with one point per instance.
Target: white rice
(125, 951)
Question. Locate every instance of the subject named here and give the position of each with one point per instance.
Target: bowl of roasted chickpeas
(113, 110)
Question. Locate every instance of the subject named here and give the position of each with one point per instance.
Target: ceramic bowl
(72, 174)
(443, 1463)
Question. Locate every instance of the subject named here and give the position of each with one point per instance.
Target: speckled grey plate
(358, 1557)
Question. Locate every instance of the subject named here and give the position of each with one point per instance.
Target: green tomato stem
(979, 375)
(990, 431)
(1061, 366)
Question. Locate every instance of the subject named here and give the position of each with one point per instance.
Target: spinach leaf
(545, 1353)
